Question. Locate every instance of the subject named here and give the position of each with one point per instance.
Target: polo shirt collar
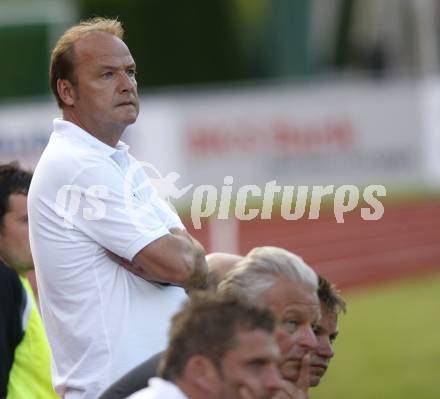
(69, 129)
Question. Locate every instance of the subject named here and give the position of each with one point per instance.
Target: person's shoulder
(59, 159)
(7, 274)
(68, 164)
(158, 389)
(68, 153)
(142, 394)
(9, 280)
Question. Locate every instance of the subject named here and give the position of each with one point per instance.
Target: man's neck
(109, 135)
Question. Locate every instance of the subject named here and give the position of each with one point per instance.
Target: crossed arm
(176, 258)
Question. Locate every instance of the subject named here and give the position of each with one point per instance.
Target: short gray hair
(262, 268)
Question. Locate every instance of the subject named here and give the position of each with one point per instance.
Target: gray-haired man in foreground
(280, 280)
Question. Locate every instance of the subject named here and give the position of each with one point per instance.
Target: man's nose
(325, 348)
(126, 83)
(273, 380)
(308, 339)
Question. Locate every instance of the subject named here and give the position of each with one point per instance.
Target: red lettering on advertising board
(281, 136)
(309, 139)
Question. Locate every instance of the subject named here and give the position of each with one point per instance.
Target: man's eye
(107, 75)
(317, 330)
(332, 338)
(290, 326)
(131, 72)
(255, 365)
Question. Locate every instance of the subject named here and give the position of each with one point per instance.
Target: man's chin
(127, 117)
(130, 119)
(315, 375)
(314, 380)
(290, 370)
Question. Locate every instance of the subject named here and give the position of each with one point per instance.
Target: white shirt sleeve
(166, 214)
(103, 205)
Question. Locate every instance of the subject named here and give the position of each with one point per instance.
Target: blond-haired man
(111, 258)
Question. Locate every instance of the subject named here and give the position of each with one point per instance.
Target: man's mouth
(290, 362)
(292, 358)
(318, 368)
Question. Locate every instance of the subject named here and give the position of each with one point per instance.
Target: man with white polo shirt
(112, 260)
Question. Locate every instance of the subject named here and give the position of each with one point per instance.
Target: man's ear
(202, 373)
(66, 91)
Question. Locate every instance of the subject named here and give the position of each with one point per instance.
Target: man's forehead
(17, 207)
(256, 343)
(327, 316)
(101, 46)
(302, 310)
(17, 202)
(294, 304)
(290, 293)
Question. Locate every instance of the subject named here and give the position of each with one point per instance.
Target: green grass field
(389, 344)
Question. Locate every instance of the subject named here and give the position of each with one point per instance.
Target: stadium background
(212, 74)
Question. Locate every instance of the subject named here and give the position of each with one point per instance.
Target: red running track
(404, 242)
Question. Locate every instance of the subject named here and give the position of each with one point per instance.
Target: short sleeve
(111, 210)
(166, 214)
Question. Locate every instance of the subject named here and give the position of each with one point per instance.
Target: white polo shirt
(159, 389)
(101, 320)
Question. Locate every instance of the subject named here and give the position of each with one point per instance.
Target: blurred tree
(276, 37)
(24, 63)
(286, 42)
(177, 41)
(342, 54)
(28, 30)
